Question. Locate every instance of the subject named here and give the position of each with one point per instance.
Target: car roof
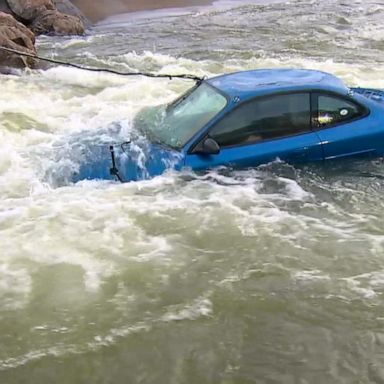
(258, 82)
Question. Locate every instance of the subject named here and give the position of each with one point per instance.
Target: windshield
(176, 124)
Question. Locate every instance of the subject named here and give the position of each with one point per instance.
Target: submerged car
(244, 119)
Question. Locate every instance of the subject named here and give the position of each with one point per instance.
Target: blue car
(245, 119)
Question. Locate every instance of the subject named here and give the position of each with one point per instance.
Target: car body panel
(142, 159)
(134, 161)
(249, 84)
(362, 137)
(299, 148)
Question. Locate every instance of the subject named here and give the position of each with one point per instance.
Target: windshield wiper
(179, 100)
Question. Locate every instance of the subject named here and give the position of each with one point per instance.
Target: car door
(260, 131)
(344, 126)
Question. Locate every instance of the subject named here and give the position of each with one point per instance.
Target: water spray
(113, 170)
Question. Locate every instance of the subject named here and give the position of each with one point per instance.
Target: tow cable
(113, 170)
(113, 71)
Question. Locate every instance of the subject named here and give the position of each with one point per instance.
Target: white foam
(310, 276)
(201, 307)
(355, 286)
(154, 248)
(15, 287)
(62, 226)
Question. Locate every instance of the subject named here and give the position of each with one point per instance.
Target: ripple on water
(273, 273)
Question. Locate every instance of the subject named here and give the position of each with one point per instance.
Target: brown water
(268, 275)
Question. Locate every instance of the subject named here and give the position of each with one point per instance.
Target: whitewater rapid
(273, 274)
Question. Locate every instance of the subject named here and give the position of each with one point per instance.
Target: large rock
(16, 36)
(65, 6)
(40, 16)
(28, 10)
(4, 7)
(56, 23)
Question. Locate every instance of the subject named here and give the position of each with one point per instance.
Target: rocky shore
(22, 20)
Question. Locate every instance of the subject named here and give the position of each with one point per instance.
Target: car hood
(137, 160)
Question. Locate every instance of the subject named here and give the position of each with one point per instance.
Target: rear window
(333, 110)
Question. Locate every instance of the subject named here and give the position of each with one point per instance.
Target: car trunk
(371, 93)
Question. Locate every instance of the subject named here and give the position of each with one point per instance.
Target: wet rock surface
(65, 6)
(28, 10)
(4, 7)
(21, 20)
(55, 22)
(15, 35)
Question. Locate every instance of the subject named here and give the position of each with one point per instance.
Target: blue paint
(260, 82)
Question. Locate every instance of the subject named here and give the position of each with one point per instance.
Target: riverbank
(97, 10)
(22, 20)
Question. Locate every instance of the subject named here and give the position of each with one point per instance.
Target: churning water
(268, 275)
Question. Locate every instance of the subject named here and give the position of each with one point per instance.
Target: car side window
(333, 110)
(264, 119)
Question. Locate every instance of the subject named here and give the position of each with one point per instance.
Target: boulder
(4, 7)
(28, 10)
(65, 6)
(16, 36)
(56, 23)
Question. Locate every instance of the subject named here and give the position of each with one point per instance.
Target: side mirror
(208, 146)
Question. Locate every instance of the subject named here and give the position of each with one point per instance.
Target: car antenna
(114, 171)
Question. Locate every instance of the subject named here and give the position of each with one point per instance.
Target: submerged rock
(16, 36)
(57, 23)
